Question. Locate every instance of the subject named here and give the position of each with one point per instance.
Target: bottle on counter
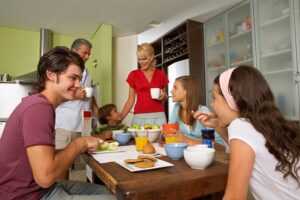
(208, 137)
(87, 123)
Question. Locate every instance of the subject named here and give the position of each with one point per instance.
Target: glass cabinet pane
(276, 53)
(274, 36)
(240, 36)
(215, 51)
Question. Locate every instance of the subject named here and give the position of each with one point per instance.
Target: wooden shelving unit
(183, 42)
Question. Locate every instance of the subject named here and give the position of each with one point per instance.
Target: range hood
(45, 46)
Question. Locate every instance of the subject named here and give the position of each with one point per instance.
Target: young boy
(110, 119)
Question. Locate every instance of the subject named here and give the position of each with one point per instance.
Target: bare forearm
(127, 107)
(48, 165)
(66, 157)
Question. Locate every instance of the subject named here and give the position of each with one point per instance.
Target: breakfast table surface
(177, 182)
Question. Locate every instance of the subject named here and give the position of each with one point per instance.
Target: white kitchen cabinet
(216, 57)
(276, 47)
(264, 34)
(228, 42)
(240, 35)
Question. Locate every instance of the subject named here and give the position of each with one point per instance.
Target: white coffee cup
(89, 91)
(155, 93)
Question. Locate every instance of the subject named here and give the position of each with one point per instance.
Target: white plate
(158, 164)
(151, 154)
(107, 151)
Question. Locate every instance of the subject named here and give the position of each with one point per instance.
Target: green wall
(19, 54)
(19, 51)
(102, 52)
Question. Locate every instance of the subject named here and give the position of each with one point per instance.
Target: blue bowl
(175, 150)
(123, 138)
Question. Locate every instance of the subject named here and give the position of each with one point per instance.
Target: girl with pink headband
(264, 146)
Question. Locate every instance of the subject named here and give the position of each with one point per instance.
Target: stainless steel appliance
(180, 68)
(11, 95)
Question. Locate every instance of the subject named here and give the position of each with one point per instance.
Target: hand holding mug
(80, 93)
(163, 95)
(155, 93)
(89, 91)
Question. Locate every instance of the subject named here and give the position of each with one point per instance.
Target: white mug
(155, 93)
(89, 91)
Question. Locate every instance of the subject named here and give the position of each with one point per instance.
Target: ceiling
(83, 17)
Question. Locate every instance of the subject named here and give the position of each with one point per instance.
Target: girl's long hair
(192, 97)
(255, 101)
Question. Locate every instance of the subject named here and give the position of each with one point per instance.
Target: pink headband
(224, 84)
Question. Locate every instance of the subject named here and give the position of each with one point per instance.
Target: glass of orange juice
(172, 138)
(141, 140)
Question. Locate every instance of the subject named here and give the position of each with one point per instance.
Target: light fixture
(155, 23)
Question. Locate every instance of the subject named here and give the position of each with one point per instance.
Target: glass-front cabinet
(240, 34)
(276, 47)
(228, 42)
(264, 34)
(216, 58)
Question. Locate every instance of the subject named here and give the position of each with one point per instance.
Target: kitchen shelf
(175, 57)
(158, 55)
(241, 62)
(175, 48)
(275, 53)
(216, 44)
(185, 41)
(279, 19)
(212, 69)
(180, 36)
(278, 71)
(240, 34)
(158, 66)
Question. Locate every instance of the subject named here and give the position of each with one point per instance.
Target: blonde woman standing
(146, 109)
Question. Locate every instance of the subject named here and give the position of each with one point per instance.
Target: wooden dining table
(177, 182)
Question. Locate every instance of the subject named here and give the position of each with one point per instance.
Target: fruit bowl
(152, 134)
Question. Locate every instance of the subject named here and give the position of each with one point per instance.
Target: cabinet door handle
(297, 78)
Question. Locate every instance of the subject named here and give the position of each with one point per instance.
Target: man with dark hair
(69, 114)
(29, 164)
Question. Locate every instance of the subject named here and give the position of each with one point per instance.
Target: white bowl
(199, 158)
(197, 146)
(114, 132)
